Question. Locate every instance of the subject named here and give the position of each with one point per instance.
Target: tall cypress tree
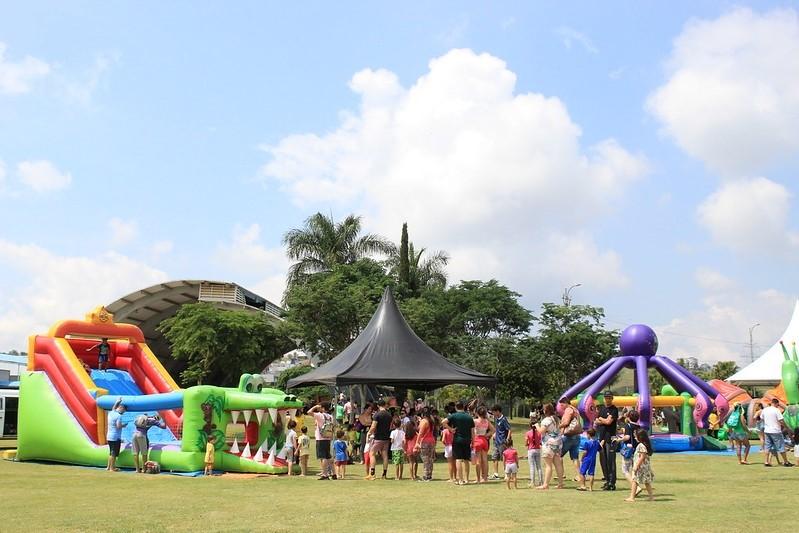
(404, 262)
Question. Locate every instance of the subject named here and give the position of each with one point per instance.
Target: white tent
(766, 369)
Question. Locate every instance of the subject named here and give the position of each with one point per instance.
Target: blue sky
(647, 151)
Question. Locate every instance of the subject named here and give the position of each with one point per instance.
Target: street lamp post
(567, 294)
(751, 343)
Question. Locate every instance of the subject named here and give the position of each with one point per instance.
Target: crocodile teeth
(235, 447)
(246, 453)
(273, 414)
(294, 413)
(259, 414)
(247, 415)
(259, 455)
(282, 454)
(271, 460)
(235, 416)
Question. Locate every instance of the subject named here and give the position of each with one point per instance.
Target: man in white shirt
(772, 427)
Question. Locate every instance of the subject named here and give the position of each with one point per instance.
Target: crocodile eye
(257, 381)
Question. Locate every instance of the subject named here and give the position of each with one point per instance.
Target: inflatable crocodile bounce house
(64, 403)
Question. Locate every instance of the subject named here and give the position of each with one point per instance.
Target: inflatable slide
(65, 398)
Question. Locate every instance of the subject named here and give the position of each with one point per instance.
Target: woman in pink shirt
(483, 430)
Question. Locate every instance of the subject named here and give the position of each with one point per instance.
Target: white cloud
(123, 231)
(263, 269)
(160, 248)
(43, 176)
(750, 216)
(56, 287)
(81, 90)
(462, 159)
(732, 95)
(18, 77)
(719, 329)
(569, 36)
(711, 280)
(2, 173)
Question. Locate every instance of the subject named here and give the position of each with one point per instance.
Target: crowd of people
(478, 444)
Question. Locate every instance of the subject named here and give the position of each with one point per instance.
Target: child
(340, 448)
(304, 450)
(397, 448)
(642, 468)
(367, 457)
(447, 436)
(533, 440)
(291, 445)
(210, 450)
(796, 444)
(353, 440)
(511, 463)
(588, 464)
(411, 451)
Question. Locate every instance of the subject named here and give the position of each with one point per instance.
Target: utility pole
(752, 344)
(567, 294)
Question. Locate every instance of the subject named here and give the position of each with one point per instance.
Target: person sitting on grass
(590, 449)
(114, 434)
(511, 458)
(642, 467)
(397, 448)
(304, 450)
(340, 449)
(210, 450)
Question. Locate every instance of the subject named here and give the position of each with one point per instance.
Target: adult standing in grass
(483, 430)
(426, 442)
(141, 443)
(629, 444)
(739, 433)
(364, 422)
(606, 423)
(551, 442)
(571, 428)
(114, 434)
(463, 424)
(773, 425)
(381, 431)
(323, 434)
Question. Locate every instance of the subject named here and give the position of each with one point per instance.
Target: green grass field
(693, 492)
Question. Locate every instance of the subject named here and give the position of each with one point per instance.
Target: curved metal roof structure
(148, 307)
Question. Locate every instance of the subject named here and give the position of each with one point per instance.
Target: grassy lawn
(693, 492)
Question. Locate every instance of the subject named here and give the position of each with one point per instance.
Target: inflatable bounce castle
(64, 405)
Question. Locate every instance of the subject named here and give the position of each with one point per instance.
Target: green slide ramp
(714, 444)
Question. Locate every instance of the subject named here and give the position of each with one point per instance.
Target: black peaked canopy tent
(388, 352)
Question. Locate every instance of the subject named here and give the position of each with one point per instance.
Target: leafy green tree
(219, 345)
(322, 243)
(305, 394)
(722, 370)
(572, 342)
(327, 312)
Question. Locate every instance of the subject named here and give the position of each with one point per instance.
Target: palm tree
(322, 243)
(421, 273)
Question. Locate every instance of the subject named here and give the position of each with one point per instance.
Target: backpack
(574, 427)
(326, 429)
(734, 419)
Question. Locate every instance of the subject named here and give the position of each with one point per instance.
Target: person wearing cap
(606, 421)
(114, 434)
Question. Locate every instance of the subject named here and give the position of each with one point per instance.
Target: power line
(700, 337)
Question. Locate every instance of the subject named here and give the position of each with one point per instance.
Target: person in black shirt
(381, 430)
(606, 429)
